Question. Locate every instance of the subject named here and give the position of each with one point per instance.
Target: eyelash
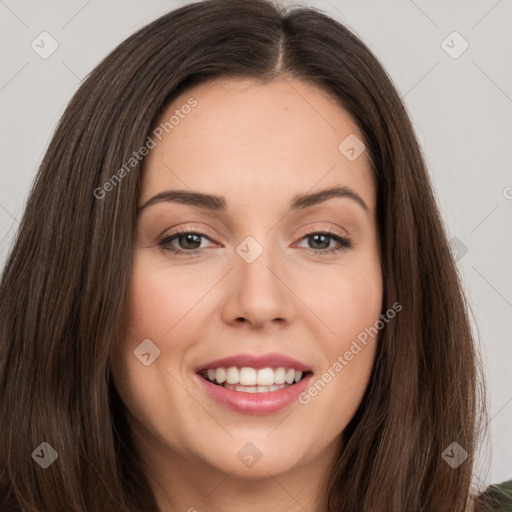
(344, 242)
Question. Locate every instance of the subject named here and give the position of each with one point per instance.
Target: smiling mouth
(252, 380)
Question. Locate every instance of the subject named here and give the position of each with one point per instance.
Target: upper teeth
(250, 376)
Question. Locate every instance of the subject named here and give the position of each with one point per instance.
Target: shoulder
(497, 497)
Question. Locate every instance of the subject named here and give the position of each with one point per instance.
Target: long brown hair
(64, 285)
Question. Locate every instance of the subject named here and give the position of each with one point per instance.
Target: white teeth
(220, 375)
(233, 375)
(247, 389)
(247, 376)
(254, 380)
(290, 375)
(254, 389)
(265, 377)
(279, 376)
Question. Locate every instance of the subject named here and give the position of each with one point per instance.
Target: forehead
(245, 139)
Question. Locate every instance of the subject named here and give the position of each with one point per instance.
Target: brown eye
(189, 242)
(323, 239)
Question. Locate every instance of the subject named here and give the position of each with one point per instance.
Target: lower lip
(255, 403)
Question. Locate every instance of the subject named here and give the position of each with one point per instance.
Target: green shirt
(496, 497)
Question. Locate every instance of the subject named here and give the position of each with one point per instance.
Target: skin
(258, 146)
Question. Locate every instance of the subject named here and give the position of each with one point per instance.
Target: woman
(173, 338)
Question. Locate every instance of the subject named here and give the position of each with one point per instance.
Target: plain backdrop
(449, 60)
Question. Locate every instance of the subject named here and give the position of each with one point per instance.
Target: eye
(189, 242)
(323, 238)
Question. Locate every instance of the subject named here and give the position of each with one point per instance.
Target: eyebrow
(218, 203)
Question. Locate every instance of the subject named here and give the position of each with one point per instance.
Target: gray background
(461, 109)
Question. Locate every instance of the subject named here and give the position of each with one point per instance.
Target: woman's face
(261, 271)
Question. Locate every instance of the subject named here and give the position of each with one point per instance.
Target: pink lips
(272, 360)
(255, 403)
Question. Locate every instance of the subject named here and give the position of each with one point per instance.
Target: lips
(257, 403)
(257, 398)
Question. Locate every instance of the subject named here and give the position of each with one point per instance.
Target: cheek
(348, 303)
(160, 298)
(351, 311)
(360, 303)
(338, 388)
(162, 306)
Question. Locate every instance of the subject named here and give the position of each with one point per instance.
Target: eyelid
(316, 227)
(186, 229)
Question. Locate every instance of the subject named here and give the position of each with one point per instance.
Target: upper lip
(272, 360)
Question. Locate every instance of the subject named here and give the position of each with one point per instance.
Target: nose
(259, 293)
